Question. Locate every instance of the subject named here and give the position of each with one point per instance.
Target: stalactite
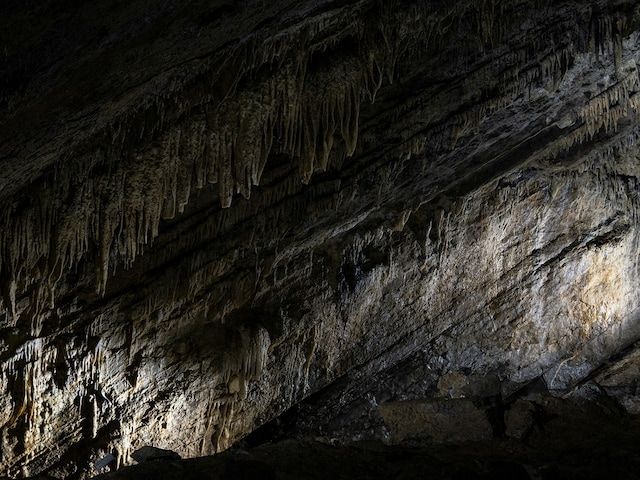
(244, 359)
(230, 147)
(200, 138)
(602, 112)
(309, 357)
(225, 417)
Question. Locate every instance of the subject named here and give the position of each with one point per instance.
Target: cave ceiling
(210, 211)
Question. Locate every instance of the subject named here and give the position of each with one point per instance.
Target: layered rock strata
(213, 210)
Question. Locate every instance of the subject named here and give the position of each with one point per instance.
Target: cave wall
(212, 211)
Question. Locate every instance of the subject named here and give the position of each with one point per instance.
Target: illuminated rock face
(214, 211)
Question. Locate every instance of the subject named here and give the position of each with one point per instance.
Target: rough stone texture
(212, 210)
(519, 419)
(620, 379)
(441, 421)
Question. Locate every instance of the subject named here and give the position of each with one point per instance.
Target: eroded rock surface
(213, 210)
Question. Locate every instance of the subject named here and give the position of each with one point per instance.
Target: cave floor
(567, 440)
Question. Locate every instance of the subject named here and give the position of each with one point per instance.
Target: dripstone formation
(385, 222)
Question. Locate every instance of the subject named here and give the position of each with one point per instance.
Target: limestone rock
(211, 211)
(437, 421)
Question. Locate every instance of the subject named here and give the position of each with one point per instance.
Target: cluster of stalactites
(512, 84)
(110, 203)
(228, 145)
(602, 113)
(304, 120)
(244, 359)
(607, 33)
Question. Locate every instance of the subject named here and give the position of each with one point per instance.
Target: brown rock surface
(439, 421)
